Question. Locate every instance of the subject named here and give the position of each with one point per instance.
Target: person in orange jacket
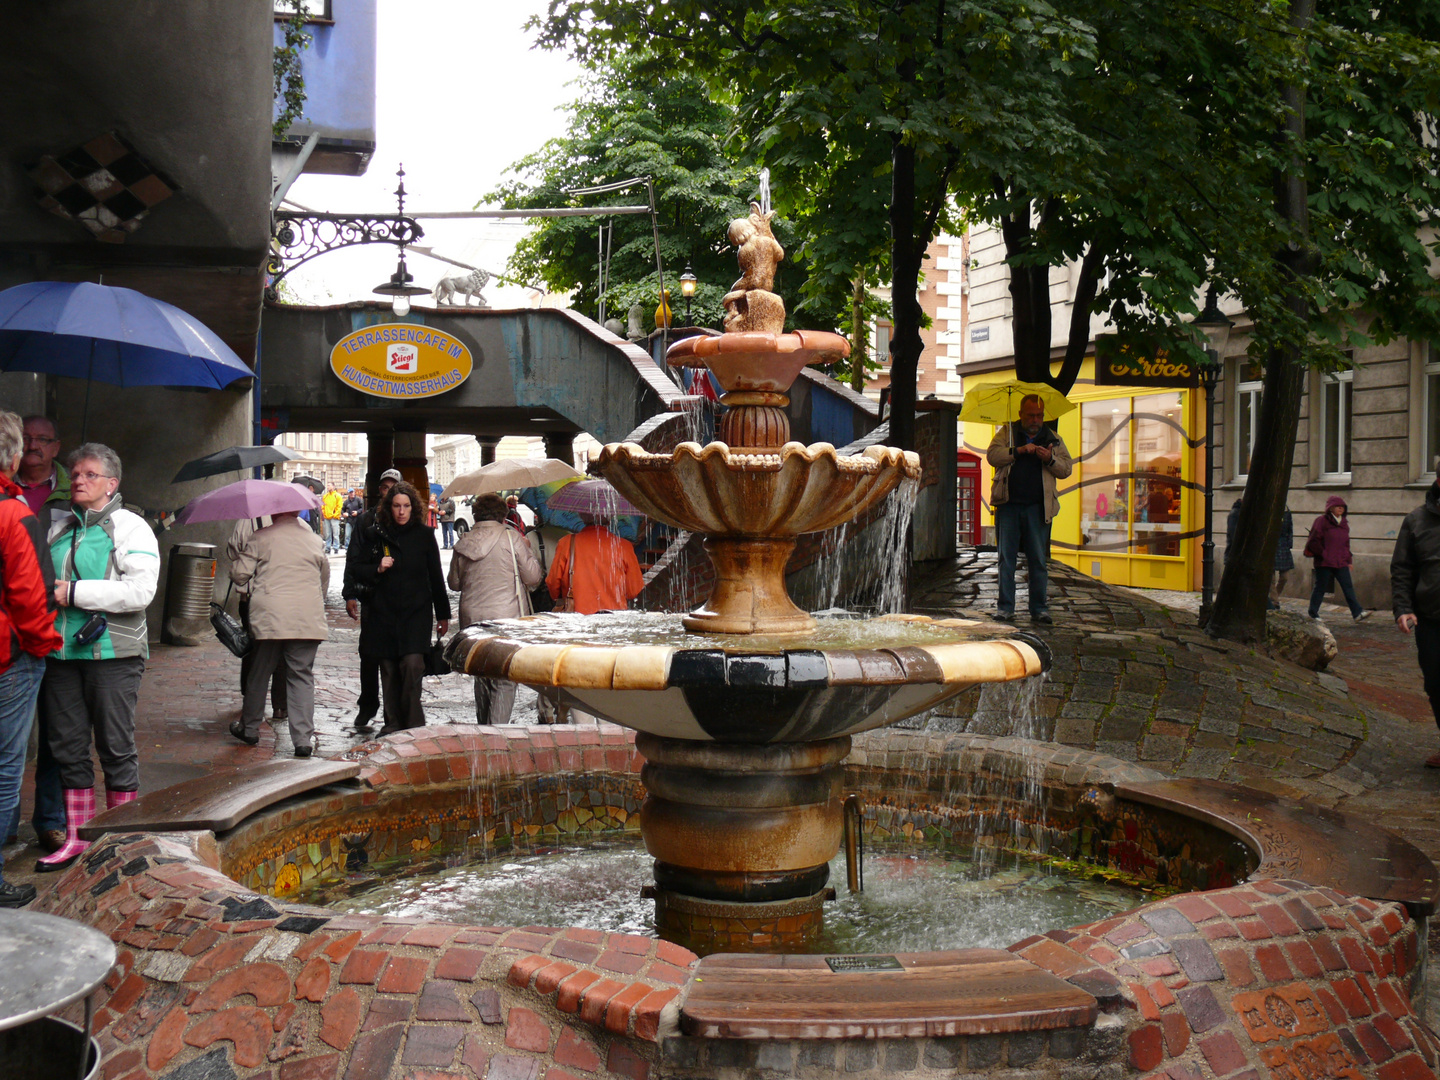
(594, 570)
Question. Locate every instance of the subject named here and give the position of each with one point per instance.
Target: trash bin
(47, 1049)
(188, 591)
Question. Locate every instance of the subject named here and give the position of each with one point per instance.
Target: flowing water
(915, 899)
(844, 631)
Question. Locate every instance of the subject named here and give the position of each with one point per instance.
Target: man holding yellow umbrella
(1028, 457)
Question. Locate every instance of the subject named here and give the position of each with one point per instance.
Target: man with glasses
(45, 486)
(43, 481)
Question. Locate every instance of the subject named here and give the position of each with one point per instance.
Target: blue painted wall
(340, 75)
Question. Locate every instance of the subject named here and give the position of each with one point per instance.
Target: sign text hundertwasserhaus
(403, 361)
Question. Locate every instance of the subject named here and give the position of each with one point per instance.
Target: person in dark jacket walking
(1415, 593)
(1329, 546)
(353, 592)
(1284, 551)
(408, 584)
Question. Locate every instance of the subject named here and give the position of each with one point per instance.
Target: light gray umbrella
(510, 474)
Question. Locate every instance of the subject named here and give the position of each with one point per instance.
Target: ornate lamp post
(688, 281)
(1216, 328)
(400, 288)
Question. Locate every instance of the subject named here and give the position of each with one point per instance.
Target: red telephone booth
(967, 498)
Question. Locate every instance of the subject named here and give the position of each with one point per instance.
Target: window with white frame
(313, 9)
(1335, 396)
(881, 353)
(1430, 411)
(1248, 384)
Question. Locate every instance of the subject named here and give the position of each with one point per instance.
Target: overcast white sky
(461, 95)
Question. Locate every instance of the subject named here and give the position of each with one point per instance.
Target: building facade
(1133, 511)
(338, 459)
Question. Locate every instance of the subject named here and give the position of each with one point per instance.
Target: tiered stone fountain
(746, 715)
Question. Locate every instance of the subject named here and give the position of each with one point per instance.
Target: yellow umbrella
(999, 403)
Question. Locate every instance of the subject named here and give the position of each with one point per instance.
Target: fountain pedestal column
(742, 836)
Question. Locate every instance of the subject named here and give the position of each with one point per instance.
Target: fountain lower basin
(644, 672)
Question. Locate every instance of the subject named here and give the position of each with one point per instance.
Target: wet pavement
(1133, 678)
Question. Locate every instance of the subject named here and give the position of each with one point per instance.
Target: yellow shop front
(1132, 511)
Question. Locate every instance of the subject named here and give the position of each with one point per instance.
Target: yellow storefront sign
(403, 361)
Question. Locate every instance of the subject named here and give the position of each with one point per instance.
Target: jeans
(49, 802)
(1325, 577)
(19, 685)
(447, 533)
(346, 528)
(1017, 526)
(332, 534)
(1427, 648)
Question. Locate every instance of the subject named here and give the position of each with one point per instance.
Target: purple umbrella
(597, 498)
(247, 499)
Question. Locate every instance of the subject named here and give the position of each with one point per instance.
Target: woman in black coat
(400, 562)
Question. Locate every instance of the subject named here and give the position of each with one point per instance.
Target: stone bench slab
(960, 992)
(1303, 842)
(219, 801)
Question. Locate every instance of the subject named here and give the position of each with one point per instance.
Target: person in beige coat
(287, 574)
(494, 569)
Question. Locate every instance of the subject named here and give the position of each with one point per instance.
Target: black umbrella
(233, 459)
(317, 486)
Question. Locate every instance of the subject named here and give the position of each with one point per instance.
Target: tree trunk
(1029, 300)
(1092, 267)
(906, 344)
(859, 336)
(1239, 613)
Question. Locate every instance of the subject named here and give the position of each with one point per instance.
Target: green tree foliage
(630, 121)
(864, 109)
(288, 72)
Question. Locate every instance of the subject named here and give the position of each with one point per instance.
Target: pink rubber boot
(118, 798)
(79, 808)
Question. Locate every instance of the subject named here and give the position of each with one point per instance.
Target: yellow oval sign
(404, 361)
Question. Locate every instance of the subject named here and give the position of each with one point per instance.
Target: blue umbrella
(437, 489)
(118, 336)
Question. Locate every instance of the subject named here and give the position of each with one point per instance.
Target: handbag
(522, 596)
(435, 663)
(229, 629)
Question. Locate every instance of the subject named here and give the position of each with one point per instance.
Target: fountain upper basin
(780, 494)
(645, 672)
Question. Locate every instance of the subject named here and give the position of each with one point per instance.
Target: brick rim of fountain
(1274, 972)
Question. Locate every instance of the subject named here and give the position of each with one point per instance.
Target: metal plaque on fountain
(863, 963)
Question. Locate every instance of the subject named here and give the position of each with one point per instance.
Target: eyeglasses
(42, 439)
(88, 476)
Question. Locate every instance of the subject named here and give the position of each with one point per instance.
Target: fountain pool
(915, 898)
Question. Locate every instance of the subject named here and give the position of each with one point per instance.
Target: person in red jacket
(1329, 545)
(27, 629)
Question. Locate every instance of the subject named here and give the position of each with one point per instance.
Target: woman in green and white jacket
(106, 563)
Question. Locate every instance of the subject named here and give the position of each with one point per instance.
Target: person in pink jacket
(1329, 546)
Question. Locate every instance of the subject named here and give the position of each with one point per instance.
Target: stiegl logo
(401, 359)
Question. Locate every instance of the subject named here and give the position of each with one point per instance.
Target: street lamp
(400, 288)
(688, 281)
(1216, 328)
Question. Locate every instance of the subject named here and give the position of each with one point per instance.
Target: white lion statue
(466, 285)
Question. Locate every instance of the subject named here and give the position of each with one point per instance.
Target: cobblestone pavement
(1133, 678)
